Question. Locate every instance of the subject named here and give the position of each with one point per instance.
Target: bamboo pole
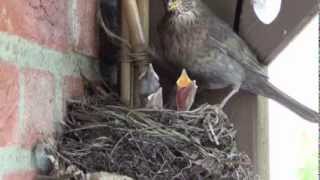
(126, 67)
(135, 29)
(137, 36)
(144, 13)
(143, 7)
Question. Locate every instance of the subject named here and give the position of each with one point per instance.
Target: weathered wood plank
(269, 40)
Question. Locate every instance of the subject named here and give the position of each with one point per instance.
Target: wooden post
(261, 139)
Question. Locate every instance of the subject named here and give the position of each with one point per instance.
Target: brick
(42, 21)
(9, 99)
(21, 175)
(39, 105)
(72, 87)
(86, 37)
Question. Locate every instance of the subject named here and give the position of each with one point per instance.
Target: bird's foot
(221, 106)
(228, 97)
(218, 109)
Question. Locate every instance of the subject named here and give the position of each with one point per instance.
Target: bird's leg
(235, 89)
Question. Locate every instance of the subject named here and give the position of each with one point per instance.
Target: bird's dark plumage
(110, 13)
(40, 159)
(192, 37)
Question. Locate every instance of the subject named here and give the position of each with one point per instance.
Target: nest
(100, 134)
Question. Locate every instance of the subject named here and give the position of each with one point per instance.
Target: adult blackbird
(192, 37)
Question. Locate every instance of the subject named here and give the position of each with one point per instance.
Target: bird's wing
(221, 36)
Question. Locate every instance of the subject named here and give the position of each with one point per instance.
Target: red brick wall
(42, 45)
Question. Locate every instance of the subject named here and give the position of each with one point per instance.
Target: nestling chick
(155, 100)
(149, 88)
(186, 92)
(41, 159)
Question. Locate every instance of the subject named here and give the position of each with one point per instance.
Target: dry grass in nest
(99, 134)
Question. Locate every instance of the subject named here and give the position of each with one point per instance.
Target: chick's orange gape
(186, 91)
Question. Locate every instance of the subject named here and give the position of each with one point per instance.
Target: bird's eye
(173, 5)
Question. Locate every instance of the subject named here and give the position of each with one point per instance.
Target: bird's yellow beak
(173, 5)
(183, 80)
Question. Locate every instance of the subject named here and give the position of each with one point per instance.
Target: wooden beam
(225, 9)
(269, 40)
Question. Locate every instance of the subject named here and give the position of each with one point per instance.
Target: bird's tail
(266, 89)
